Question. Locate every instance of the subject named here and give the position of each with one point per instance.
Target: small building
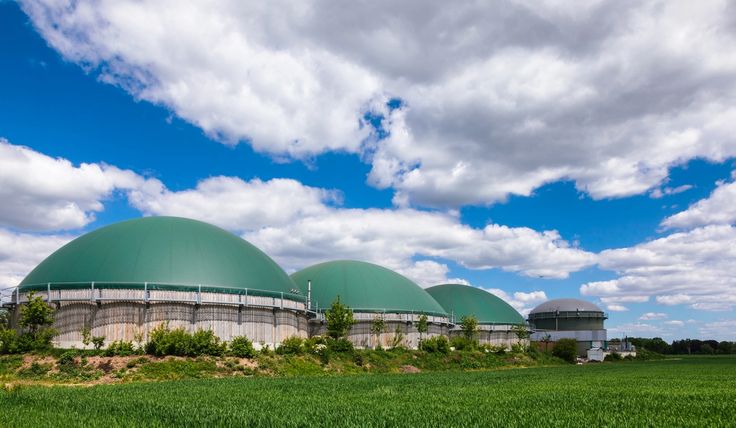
(372, 292)
(571, 319)
(498, 322)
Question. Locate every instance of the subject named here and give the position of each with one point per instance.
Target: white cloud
(635, 329)
(718, 208)
(653, 316)
(299, 225)
(724, 329)
(40, 193)
(21, 252)
(667, 191)
(694, 268)
(617, 308)
(396, 237)
(674, 323)
(521, 301)
(236, 204)
(608, 95)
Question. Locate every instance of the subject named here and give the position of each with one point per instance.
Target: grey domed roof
(565, 305)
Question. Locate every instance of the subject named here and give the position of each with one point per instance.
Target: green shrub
(67, 361)
(35, 370)
(204, 342)
(340, 345)
(397, 340)
(98, 342)
(435, 345)
(120, 348)
(291, 346)
(163, 341)
(566, 349)
(613, 356)
(314, 344)
(463, 343)
(241, 347)
(9, 343)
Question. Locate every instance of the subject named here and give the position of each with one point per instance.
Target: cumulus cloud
(41, 193)
(235, 204)
(694, 268)
(396, 237)
(653, 316)
(667, 191)
(718, 208)
(616, 308)
(725, 329)
(635, 329)
(300, 225)
(521, 301)
(21, 252)
(607, 94)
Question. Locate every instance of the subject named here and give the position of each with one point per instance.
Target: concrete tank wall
(360, 334)
(494, 335)
(117, 319)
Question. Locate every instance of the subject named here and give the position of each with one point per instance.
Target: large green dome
(365, 287)
(462, 300)
(160, 252)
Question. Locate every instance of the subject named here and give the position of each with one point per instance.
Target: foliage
(422, 326)
(521, 331)
(437, 344)
(9, 343)
(469, 326)
(4, 319)
(36, 317)
(241, 347)
(462, 343)
(291, 346)
(397, 340)
(36, 314)
(98, 342)
(164, 341)
(120, 348)
(340, 345)
(378, 326)
(339, 319)
(86, 336)
(613, 356)
(566, 349)
(697, 391)
(35, 371)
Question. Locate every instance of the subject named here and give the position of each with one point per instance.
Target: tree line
(684, 346)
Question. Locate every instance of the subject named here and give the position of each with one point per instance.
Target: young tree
(398, 338)
(521, 331)
(469, 326)
(378, 326)
(36, 314)
(339, 319)
(422, 326)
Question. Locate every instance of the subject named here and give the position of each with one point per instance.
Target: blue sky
(497, 168)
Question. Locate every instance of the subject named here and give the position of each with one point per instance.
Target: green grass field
(696, 391)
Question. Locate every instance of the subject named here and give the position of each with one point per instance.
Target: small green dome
(160, 251)
(365, 287)
(462, 300)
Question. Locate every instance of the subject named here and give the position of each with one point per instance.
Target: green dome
(365, 287)
(165, 252)
(462, 300)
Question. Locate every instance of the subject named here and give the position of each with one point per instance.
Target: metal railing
(142, 292)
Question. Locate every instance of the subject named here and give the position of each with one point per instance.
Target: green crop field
(695, 391)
